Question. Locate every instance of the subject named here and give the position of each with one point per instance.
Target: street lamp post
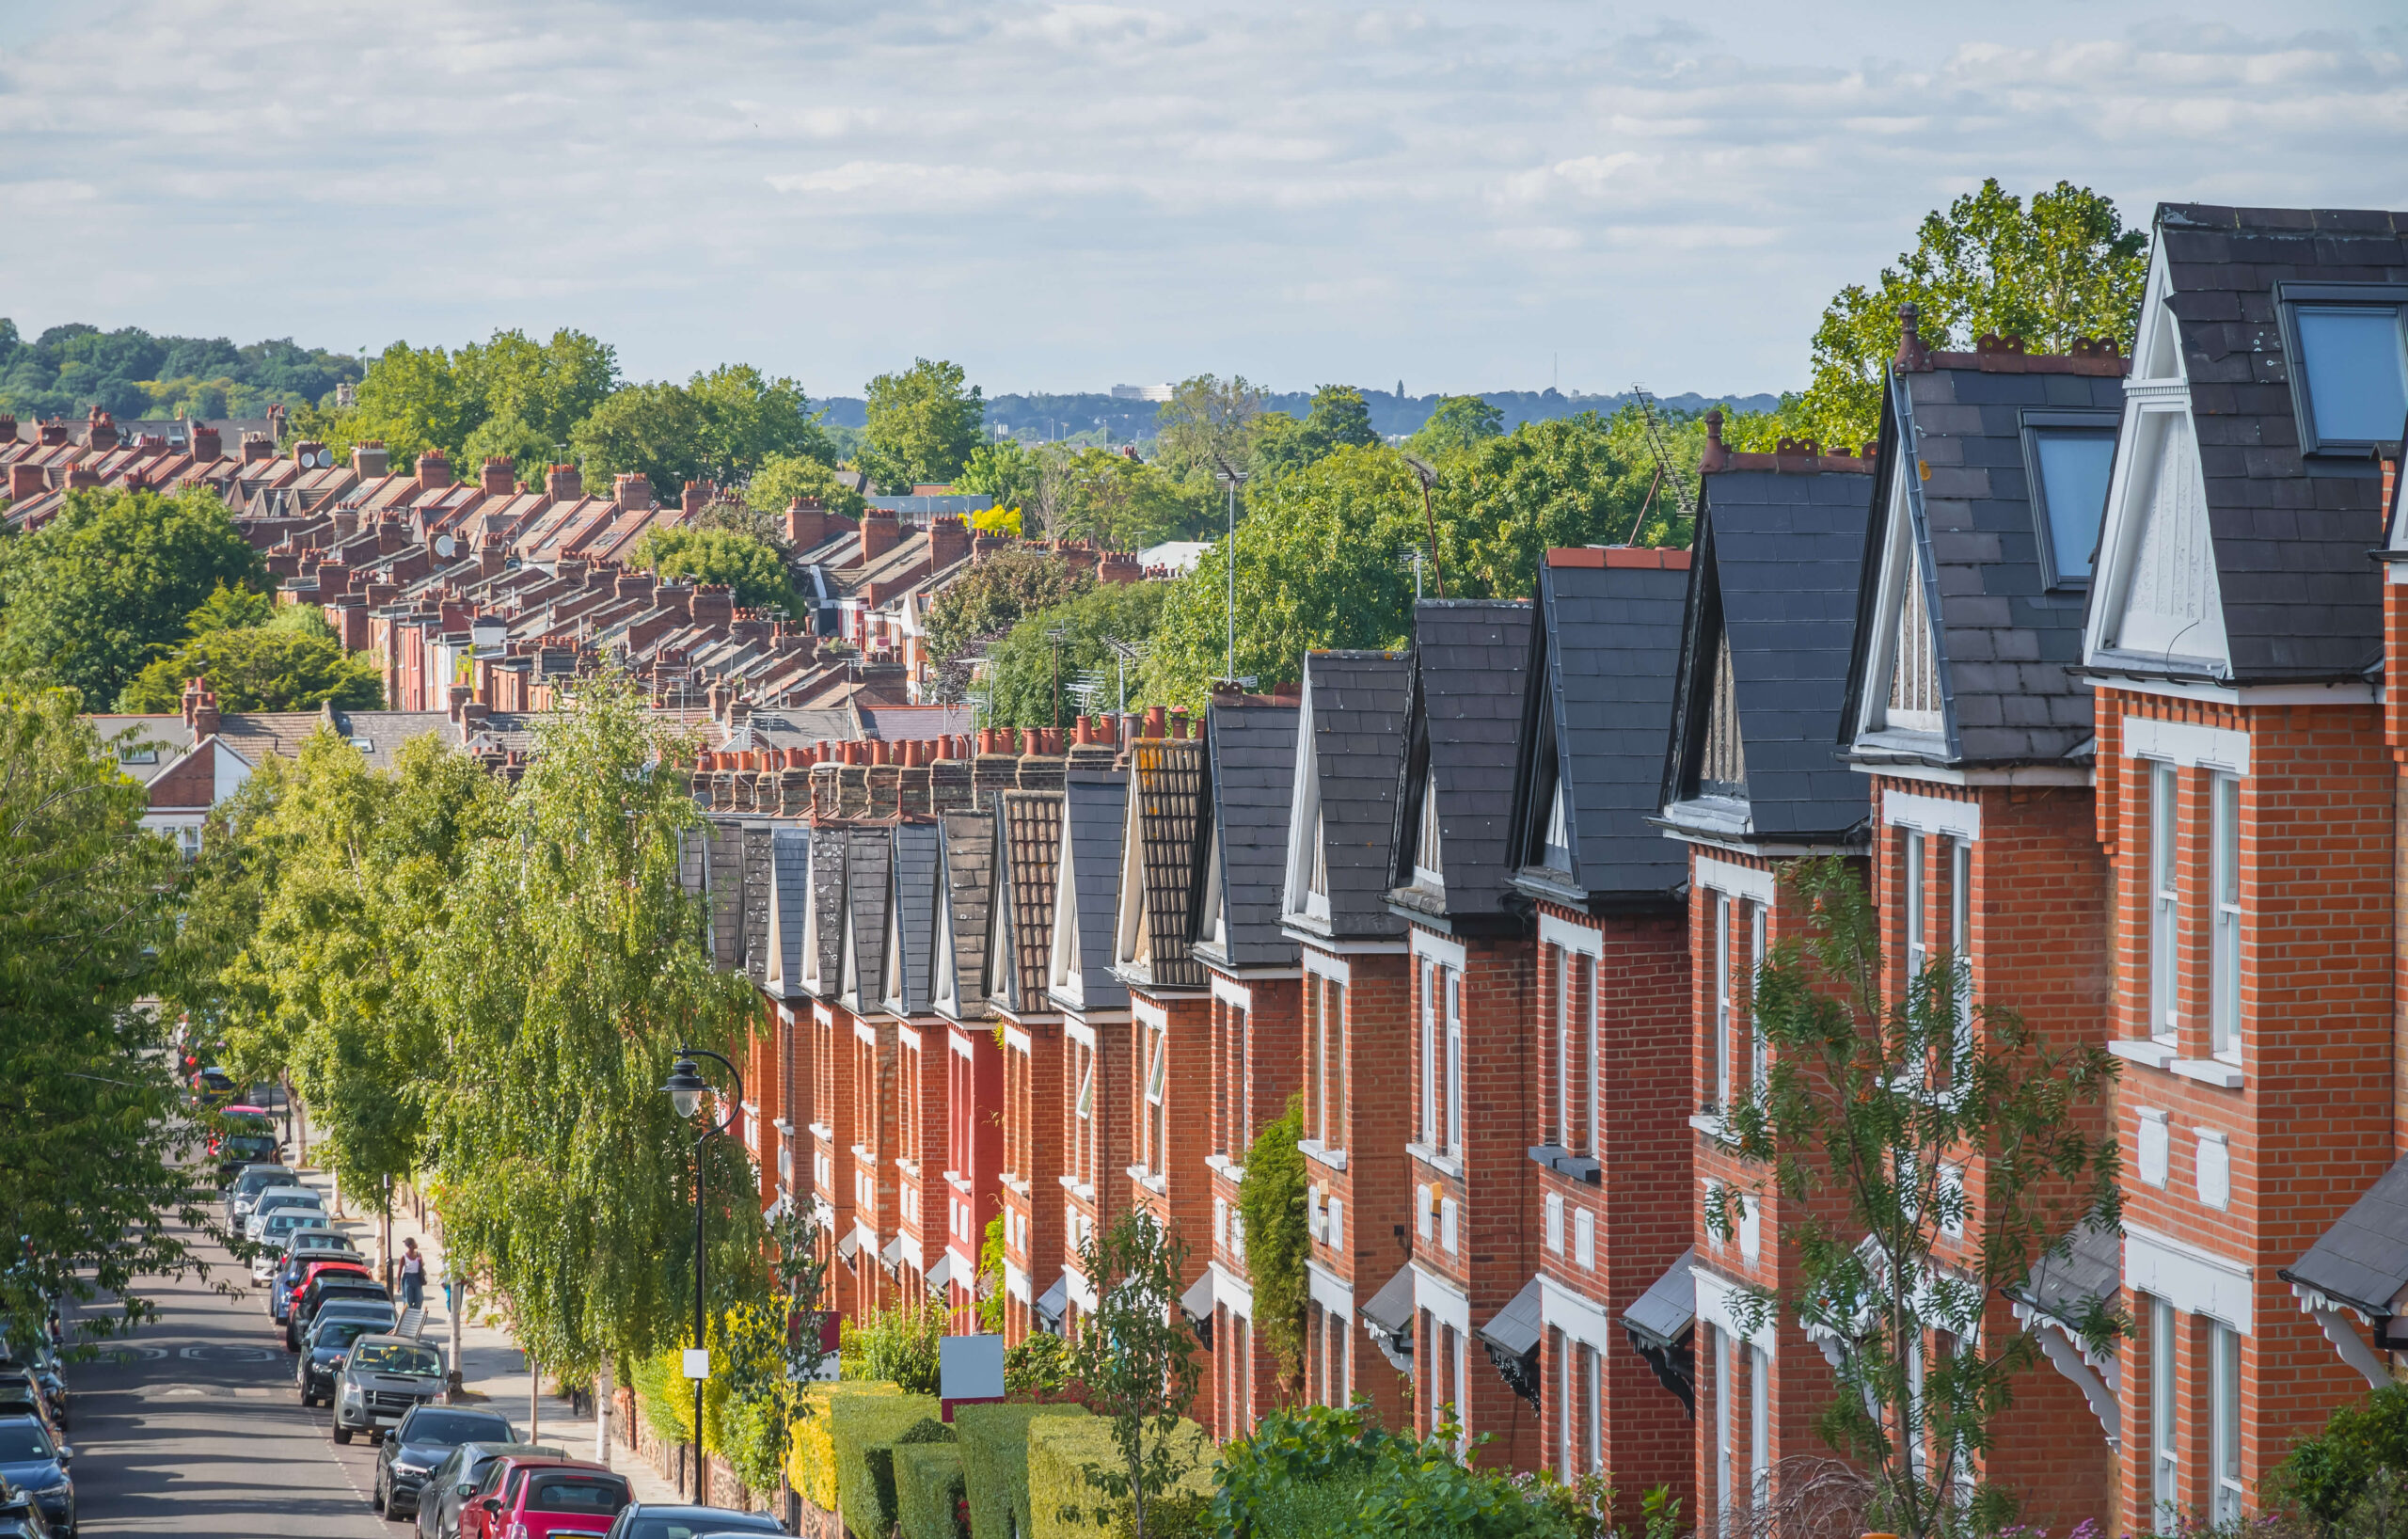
(686, 1089)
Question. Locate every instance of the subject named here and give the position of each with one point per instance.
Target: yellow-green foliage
(865, 1425)
(811, 1460)
(1064, 1504)
(928, 1490)
(994, 1463)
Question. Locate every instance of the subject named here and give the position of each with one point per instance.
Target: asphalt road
(192, 1427)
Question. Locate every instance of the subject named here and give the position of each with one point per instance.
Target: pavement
(192, 1425)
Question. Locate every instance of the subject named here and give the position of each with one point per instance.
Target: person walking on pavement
(413, 1275)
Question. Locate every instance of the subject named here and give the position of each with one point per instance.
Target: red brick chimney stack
(25, 481)
(948, 542)
(696, 497)
(806, 523)
(257, 447)
(632, 491)
(200, 708)
(434, 470)
(497, 478)
(562, 483)
(368, 460)
(880, 530)
(206, 444)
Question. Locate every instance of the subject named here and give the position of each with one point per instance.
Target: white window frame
(1722, 1002)
(2225, 1015)
(2164, 903)
(1960, 937)
(1562, 1013)
(1432, 1044)
(1759, 1429)
(2165, 1422)
(2226, 1497)
(1759, 1051)
(1723, 1389)
(1917, 897)
(1453, 982)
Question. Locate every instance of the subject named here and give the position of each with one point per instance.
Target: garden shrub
(994, 1463)
(928, 1491)
(858, 1424)
(1322, 1474)
(879, 1457)
(811, 1460)
(1065, 1504)
(2350, 1480)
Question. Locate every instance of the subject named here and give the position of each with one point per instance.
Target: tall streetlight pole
(686, 1089)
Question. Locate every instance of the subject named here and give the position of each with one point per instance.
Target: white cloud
(1062, 195)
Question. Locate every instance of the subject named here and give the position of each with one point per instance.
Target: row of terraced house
(2081, 666)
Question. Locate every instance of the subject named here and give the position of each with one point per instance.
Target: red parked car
(529, 1496)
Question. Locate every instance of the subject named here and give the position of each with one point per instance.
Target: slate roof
(1358, 702)
(2001, 640)
(755, 900)
(913, 923)
(2064, 1288)
(1668, 1311)
(1251, 754)
(1463, 734)
(1166, 781)
(827, 847)
(1597, 711)
(1516, 1329)
(869, 853)
(1028, 855)
(1776, 569)
(2362, 1260)
(790, 877)
(966, 870)
(1094, 806)
(725, 881)
(2301, 600)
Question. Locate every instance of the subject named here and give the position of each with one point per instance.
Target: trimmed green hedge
(1064, 1506)
(811, 1459)
(928, 1490)
(862, 1426)
(994, 1463)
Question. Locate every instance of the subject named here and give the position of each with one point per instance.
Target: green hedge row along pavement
(994, 1463)
(861, 1425)
(1064, 1504)
(928, 1491)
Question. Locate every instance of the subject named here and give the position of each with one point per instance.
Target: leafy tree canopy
(2060, 267)
(1005, 470)
(923, 424)
(782, 478)
(753, 566)
(656, 429)
(89, 1138)
(1271, 1204)
(1020, 668)
(130, 373)
(86, 599)
(996, 595)
(1338, 419)
(1207, 419)
(287, 665)
(546, 387)
(1460, 421)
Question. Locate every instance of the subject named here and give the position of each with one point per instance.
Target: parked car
(321, 1288)
(277, 1200)
(383, 1380)
(301, 1247)
(323, 1352)
(280, 1227)
(456, 1479)
(557, 1497)
(36, 1462)
(214, 1087)
(40, 1360)
(479, 1513)
(244, 1135)
(248, 1183)
(422, 1444)
(660, 1520)
(20, 1516)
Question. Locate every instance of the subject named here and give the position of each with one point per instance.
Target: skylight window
(2350, 364)
(2069, 456)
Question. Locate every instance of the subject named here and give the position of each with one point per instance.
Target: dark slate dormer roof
(2001, 642)
(1462, 736)
(1094, 802)
(758, 869)
(1028, 854)
(725, 880)
(790, 877)
(827, 847)
(1779, 553)
(1597, 711)
(870, 855)
(1167, 793)
(2301, 600)
(1356, 704)
(966, 877)
(1250, 754)
(2362, 1260)
(911, 926)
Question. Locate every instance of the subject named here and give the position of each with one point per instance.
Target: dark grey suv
(383, 1379)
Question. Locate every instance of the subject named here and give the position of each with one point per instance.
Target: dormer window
(1427, 871)
(2350, 364)
(1317, 882)
(1558, 833)
(1914, 675)
(2067, 457)
(147, 754)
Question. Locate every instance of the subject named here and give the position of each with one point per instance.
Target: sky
(1501, 194)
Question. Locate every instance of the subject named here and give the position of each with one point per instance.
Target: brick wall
(1257, 1064)
(1176, 1188)
(1367, 1109)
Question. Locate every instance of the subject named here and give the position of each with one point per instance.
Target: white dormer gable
(1429, 866)
(1216, 906)
(946, 993)
(1903, 700)
(1003, 945)
(814, 975)
(849, 975)
(1133, 938)
(893, 990)
(1305, 893)
(2157, 600)
(775, 977)
(1063, 972)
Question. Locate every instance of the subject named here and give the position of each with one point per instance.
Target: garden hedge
(928, 1490)
(994, 1463)
(1063, 1505)
(867, 1428)
(811, 1462)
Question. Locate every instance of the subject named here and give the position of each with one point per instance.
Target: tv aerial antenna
(1665, 472)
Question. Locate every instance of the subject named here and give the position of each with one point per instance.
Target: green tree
(1582, 480)
(782, 478)
(89, 1143)
(1863, 1125)
(1005, 470)
(1271, 1208)
(655, 428)
(1119, 501)
(86, 598)
(413, 400)
(922, 425)
(2056, 269)
(2350, 1480)
(544, 388)
(230, 609)
(753, 567)
(1136, 1355)
(996, 595)
(765, 1364)
(1338, 419)
(748, 417)
(530, 449)
(1206, 420)
(572, 968)
(293, 662)
(1460, 421)
(1020, 668)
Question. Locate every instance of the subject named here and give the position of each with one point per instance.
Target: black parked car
(660, 1520)
(425, 1439)
(323, 1354)
(333, 1285)
(32, 1461)
(20, 1516)
(304, 1248)
(456, 1479)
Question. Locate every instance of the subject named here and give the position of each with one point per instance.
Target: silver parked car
(383, 1380)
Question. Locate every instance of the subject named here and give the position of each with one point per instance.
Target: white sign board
(970, 1368)
(698, 1362)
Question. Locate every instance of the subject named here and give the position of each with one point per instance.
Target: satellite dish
(445, 546)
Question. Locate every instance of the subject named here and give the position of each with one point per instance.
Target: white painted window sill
(822, 1132)
(2145, 1050)
(1711, 1124)
(2209, 1072)
(1334, 1158)
(910, 1169)
(1443, 1164)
